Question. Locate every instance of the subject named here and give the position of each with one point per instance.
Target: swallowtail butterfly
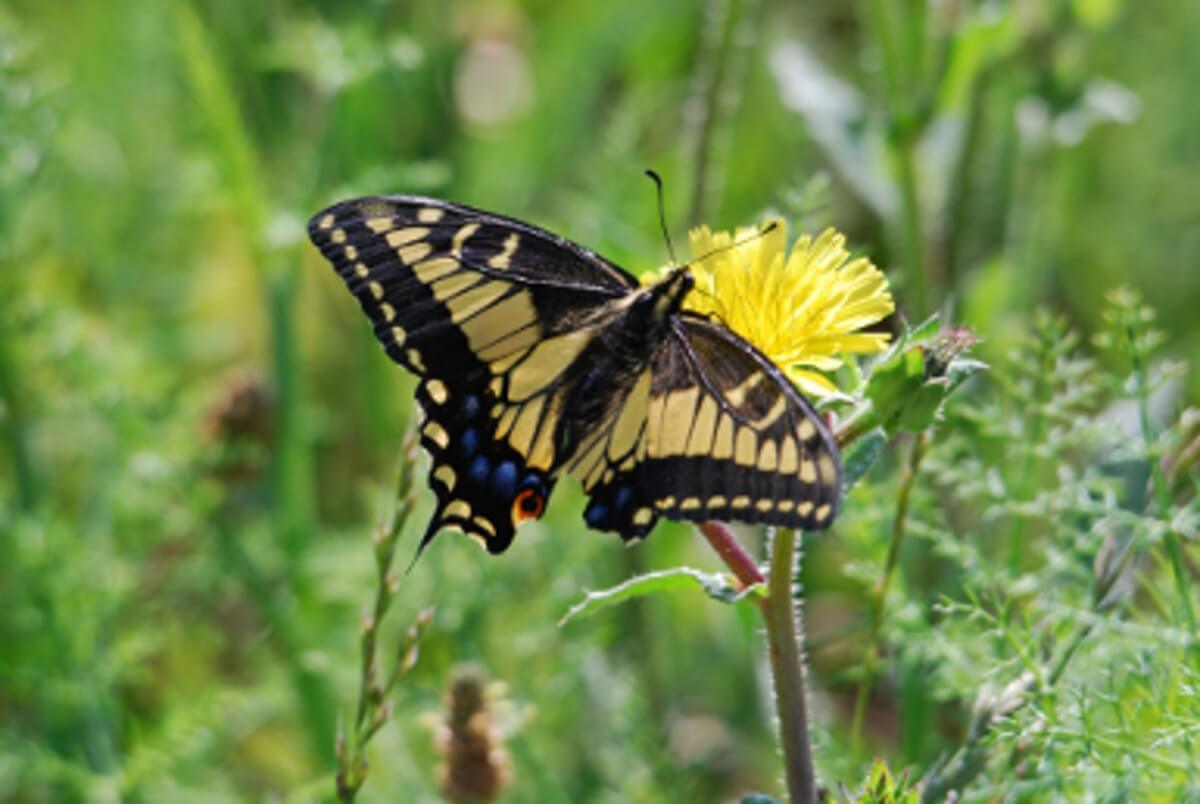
(538, 357)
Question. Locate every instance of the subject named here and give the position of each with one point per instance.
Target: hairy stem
(787, 668)
(784, 641)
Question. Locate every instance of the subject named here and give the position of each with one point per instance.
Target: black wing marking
(488, 311)
(727, 437)
(473, 284)
(479, 479)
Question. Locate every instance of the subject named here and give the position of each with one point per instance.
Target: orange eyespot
(528, 504)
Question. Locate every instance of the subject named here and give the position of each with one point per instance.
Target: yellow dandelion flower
(801, 309)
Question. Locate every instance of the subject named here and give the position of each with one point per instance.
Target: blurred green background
(199, 430)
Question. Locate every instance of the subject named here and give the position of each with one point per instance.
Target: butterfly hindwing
(484, 486)
(726, 437)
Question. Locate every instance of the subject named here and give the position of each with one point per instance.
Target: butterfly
(537, 357)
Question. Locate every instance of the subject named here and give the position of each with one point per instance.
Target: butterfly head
(663, 299)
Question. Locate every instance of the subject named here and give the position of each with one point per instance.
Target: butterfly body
(537, 357)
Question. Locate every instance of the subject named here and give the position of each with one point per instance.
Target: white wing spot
(414, 357)
(379, 224)
(437, 391)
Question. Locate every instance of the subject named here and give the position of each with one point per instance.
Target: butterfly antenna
(662, 212)
(763, 232)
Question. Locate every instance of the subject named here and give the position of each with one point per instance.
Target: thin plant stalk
(907, 228)
(899, 528)
(723, 41)
(1162, 493)
(375, 685)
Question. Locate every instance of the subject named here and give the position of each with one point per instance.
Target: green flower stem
(787, 668)
(1025, 483)
(899, 527)
(962, 183)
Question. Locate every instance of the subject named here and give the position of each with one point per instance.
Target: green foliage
(1042, 590)
(882, 787)
(717, 586)
(909, 385)
(197, 431)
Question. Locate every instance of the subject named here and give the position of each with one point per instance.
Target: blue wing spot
(471, 407)
(504, 480)
(480, 469)
(624, 495)
(596, 515)
(468, 442)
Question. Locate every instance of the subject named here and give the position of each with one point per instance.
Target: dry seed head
(476, 766)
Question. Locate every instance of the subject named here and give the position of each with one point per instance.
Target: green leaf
(894, 384)
(922, 408)
(910, 385)
(717, 586)
(861, 456)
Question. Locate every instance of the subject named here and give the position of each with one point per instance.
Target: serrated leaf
(715, 585)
